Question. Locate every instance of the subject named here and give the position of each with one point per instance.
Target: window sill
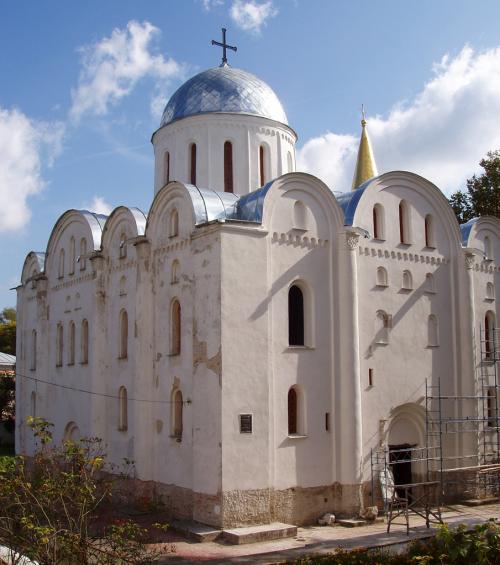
(174, 354)
(382, 285)
(178, 439)
(300, 347)
(430, 291)
(489, 299)
(379, 239)
(431, 346)
(71, 364)
(122, 358)
(296, 436)
(84, 363)
(381, 343)
(430, 248)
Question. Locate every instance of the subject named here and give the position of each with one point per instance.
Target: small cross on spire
(363, 115)
(224, 46)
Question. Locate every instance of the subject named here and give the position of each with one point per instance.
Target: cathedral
(254, 338)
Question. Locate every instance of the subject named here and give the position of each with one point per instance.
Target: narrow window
(382, 278)
(429, 231)
(33, 350)
(123, 354)
(245, 423)
(166, 168)
(175, 325)
(382, 328)
(71, 342)
(61, 263)
(33, 404)
(289, 162)
(72, 253)
(59, 345)
(292, 411)
(378, 222)
(173, 228)
(192, 163)
(488, 253)
(492, 407)
(489, 334)
(295, 316)
(404, 223)
(370, 377)
(84, 350)
(407, 281)
(123, 285)
(177, 414)
(228, 167)
(327, 421)
(174, 278)
(299, 216)
(433, 331)
(123, 245)
(83, 254)
(490, 291)
(262, 166)
(429, 283)
(122, 409)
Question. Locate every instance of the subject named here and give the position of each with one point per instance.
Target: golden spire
(365, 164)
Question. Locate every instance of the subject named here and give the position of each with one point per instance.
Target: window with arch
(293, 411)
(122, 409)
(72, 256)
(488, 251)
(429, 231)
(71, 432)
(123, 245)
(262, 165)
(382, 327)
(296, 333)
(173, 223)
(299, 216)
(404, 223)
(71, 343)
(430, 284)
(489, 334)
(192, 163)
(407, 283)
(33, 404)
(123, 352)
(289, 162)
(123, 285)
(83, 254)
(84, 345)
(174, 277)
(175, 328)
(432, 331)
(33, 350)
(228, 167)
(382, 277)
(59, 344)
(378, 222)
(490, 291)
(177, 416)
(61, 264)
(166, 167)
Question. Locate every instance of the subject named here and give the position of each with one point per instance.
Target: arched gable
(472, 229)
(34, 264)
(132, 221)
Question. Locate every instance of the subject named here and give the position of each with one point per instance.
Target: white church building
(253, 337)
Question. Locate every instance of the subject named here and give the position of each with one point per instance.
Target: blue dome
(224, 89)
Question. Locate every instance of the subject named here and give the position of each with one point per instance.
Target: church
(254, 338)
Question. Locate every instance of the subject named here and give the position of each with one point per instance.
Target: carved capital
(470, 259)
(352, 240)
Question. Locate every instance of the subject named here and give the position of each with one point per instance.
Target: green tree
(483, 192)
(8, 331)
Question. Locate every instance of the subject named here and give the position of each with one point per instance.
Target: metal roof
(7, 360)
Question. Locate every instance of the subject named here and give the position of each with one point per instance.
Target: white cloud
(113, 66)
(250, 15)
(209, 4)
(24, 145)
(100, 206)
(441, 134)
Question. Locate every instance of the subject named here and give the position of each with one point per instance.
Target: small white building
(252, 337)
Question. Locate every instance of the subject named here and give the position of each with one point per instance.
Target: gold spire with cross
(366, 167)
(224, 46)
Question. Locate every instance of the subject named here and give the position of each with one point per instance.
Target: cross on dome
(224, 46)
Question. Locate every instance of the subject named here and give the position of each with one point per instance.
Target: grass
(6, 454)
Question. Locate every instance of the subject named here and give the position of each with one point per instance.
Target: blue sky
(82, 85)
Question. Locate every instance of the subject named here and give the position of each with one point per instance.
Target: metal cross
(224, 46)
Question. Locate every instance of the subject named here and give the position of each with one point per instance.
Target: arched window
(123, 245)
(122, 409)
(71, 432)
(33, 404)
(289, 162)
(378, 222)
(177, 406)
(262, 165)
(404, 223)
(175, 328)
(174, 278)
(432, 331)
(71, 342)
(490, 291)
(192, 163)
(59, 345)
(228, 167)
(84, 348)
(61, 263)
(72, 253)
(299, 216)
(33, 350)
(83, 254)
(407, 281)
(123, 354)
(123, 285)
(382, 278)
(430, 285)
(173, 224)
(489, 334)
(488, 252)
(166, 168)
(429, 231)
(382, 326)
(295, 316)
(293, 408)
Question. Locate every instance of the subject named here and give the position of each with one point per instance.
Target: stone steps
(253, 534)
(196, 531)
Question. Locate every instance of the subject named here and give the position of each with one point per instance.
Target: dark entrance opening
(400, 463)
